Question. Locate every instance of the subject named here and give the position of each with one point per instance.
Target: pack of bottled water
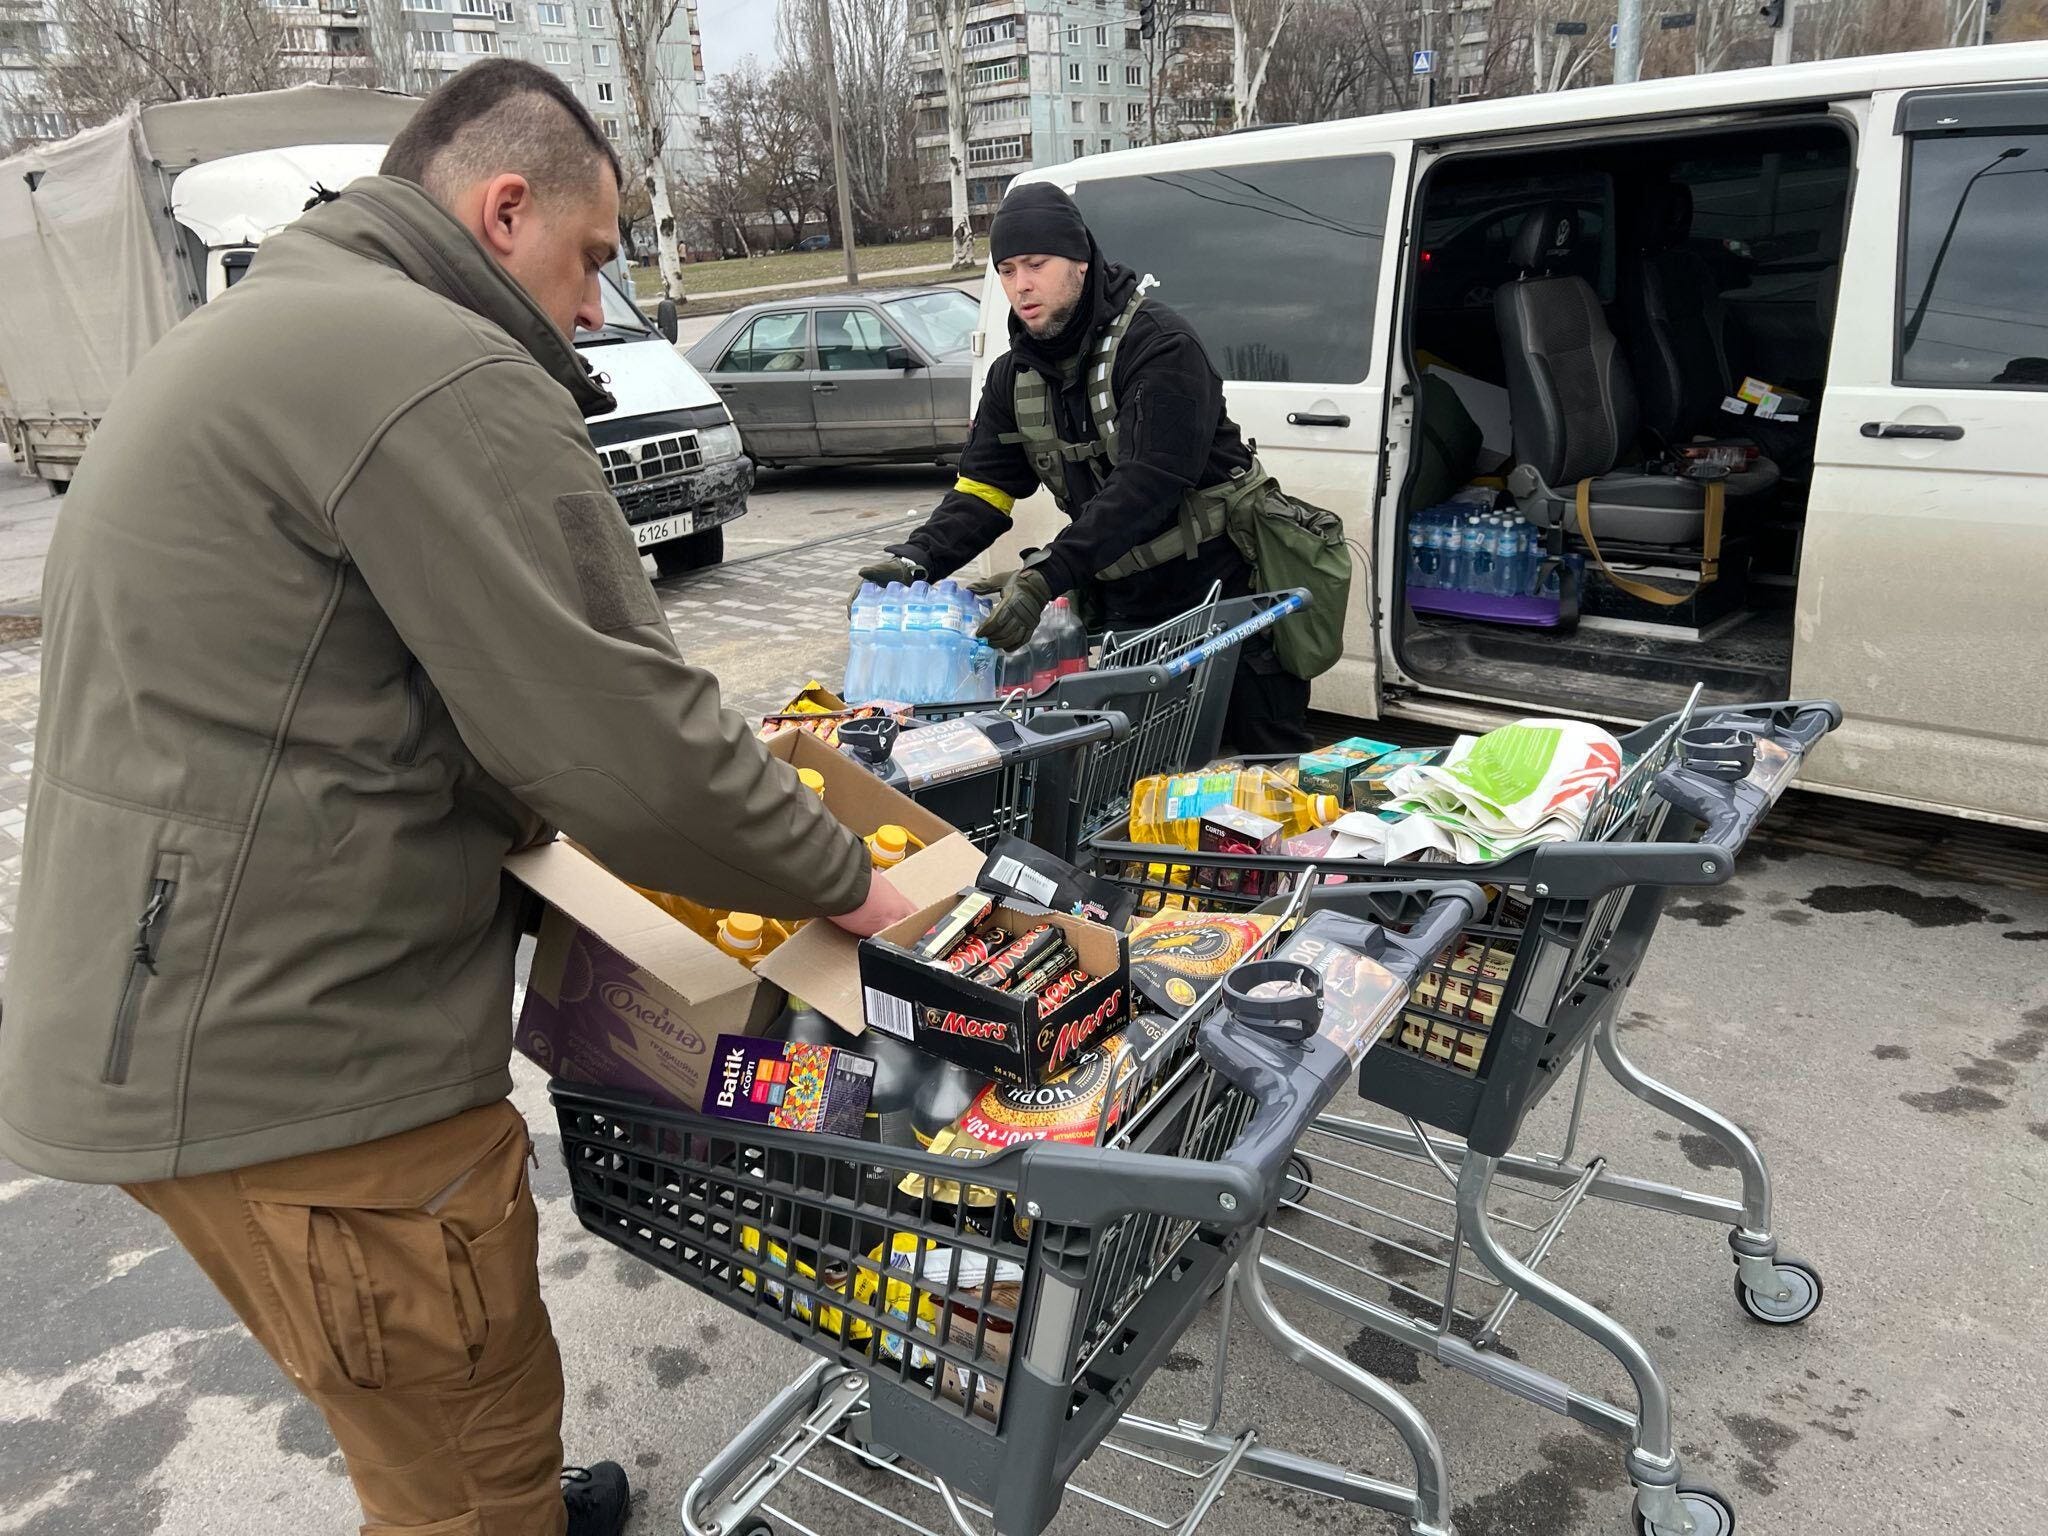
(916, 644)
(1462, 546)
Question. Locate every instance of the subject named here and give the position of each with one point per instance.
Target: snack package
(1471, 993)
(1074, 1106)
(945, 935)
(1230, 829)
(1177, 956)
(1369, 784)
(789, 1085)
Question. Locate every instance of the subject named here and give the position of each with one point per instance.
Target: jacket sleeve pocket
(615, 591)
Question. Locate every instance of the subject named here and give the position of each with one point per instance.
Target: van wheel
(59, 487)
(698, 552)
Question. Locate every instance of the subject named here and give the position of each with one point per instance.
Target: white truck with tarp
(111, 237)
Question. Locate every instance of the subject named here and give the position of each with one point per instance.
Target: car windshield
(621, 316)
(941, 323)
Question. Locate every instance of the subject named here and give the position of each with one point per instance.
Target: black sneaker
(598, 1498)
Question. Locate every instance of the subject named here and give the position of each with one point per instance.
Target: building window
(600, 56)
(1073, 35)
(432, 42)
(987, 74)
(478, 42)
(549, 14)
(507, 47)
(1079, 112)
(604, 92)
(1074, 73)
(932, 120)
(984, 33)
(474, 7)
(594, 14)
(1134, 112)
(424, 5)
(610, 125)
(1134, 74)
(1133, 39)
(506, 12)
(1102, 74)
(1080, 148)
(1105, 146)
(995, 151)
(555, 53)
(924, 42)
(1102, 37)
(930, 83)
(1103, 109)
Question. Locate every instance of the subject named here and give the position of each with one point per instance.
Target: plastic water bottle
(1453, 569)
(886, 680)
(1508, 566)
(860, 644)
(1532, 558)
(956, 631)
(1070, 637)
(920, 645)
(1480, 549)
(1418, 547)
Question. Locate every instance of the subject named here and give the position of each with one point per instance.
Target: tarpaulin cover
(89, 283)
(187, 133)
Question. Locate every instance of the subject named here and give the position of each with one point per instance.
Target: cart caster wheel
(1712, 1514)
(1801, 1278)
(1300, 1180)
(755, 1528)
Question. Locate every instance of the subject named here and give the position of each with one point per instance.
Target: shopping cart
(1498, 1024)
(992, 773)
(994, 1319)
(1172, 682)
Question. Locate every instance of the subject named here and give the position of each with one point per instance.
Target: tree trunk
(665, 251)
(951, 16)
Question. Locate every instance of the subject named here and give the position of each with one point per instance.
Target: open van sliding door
(1921, 588)
(1285, 267)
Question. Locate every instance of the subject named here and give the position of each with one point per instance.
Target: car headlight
(720, 442)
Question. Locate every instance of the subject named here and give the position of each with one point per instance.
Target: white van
(1555, 306)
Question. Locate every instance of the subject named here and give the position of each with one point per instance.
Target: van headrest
(1545, 238)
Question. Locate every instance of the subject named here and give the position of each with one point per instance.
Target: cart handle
(1731, 810)
(1292, 600)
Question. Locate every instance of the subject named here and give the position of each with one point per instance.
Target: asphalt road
(1879, 1030)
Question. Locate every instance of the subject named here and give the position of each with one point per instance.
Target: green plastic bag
(1292, 544)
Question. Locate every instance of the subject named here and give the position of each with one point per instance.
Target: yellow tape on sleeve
(1002, 501)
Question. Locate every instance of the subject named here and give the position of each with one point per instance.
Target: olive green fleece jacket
(338, 614)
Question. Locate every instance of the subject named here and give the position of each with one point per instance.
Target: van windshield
(622, 318)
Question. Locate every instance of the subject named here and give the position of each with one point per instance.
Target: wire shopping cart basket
(994, 1319)
(1172, 682)
(1487, 1035)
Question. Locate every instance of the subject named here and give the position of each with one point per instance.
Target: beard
(1053, 321)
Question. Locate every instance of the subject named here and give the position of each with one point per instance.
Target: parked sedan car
(849, 378)
(815, 243)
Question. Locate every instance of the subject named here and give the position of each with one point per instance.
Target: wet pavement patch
(106, 1461)
(2028, 935)
(1953, 1101)
(1708, 914)
(568, 1266)
(2039, 1128)
(1554, 1496)
(1704, 1151)
(1917, 908)
(302, 1432)
(1891, 1053)
(672, 1366)
(1763, 1441)
(635, 1275)
(1792, 919)
(647, 1459)
(1982, 1072)
(1666, 1331)
(1388, 1359)
(1180, 1361)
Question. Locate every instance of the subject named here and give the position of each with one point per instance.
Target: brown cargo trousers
(396, 1284)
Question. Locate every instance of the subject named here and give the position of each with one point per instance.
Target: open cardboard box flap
(821, 964)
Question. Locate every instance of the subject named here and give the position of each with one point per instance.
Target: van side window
(1275, 265)
(1973, 290)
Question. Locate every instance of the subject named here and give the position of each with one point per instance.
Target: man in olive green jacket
(339, 613)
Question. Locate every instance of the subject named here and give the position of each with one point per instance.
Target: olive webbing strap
(1710, 548)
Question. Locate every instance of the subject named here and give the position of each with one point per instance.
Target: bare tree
(652, 99)
(121, 51)
(1256, 26)
(949, 17)
(724, 195)
(877, 100)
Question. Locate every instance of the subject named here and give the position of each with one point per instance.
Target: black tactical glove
(1016, 614)
(901, 568)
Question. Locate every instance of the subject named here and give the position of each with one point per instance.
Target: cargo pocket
(415, 1287)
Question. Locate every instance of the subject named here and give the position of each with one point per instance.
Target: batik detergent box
(791, 1086)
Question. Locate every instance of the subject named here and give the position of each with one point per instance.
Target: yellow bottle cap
(1327, 809)
(743, 929)
(813, 780)
(891, 840)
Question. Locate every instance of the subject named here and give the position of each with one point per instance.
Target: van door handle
(823, 389)
(1944, 434)
(1316, 419)
(726, 389)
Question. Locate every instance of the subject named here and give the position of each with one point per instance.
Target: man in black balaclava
(1173, 437)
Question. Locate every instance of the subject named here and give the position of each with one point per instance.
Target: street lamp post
(1919, 314)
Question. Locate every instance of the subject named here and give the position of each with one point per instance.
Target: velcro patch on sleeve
(616, 592)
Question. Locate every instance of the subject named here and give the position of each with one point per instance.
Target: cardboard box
(622, 994)
(994, 1033)
(1232, 829)
(790, 1085)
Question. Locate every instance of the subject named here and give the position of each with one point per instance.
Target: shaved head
(503, 115)
(518, 162)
